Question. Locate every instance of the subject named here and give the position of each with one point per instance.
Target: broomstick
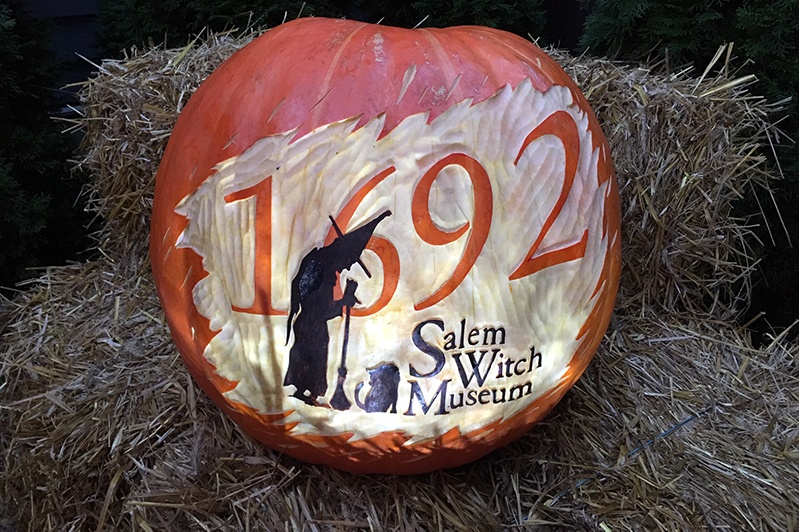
(339, 401)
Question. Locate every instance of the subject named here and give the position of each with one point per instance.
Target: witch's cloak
(313, 304)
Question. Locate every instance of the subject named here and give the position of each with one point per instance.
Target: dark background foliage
(688, 32)
(41, 218)
(127, 22)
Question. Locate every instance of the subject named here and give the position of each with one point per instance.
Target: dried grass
(678, 424)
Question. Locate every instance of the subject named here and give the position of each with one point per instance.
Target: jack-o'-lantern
(383, 249)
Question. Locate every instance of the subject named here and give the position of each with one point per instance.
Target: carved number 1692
(560, 124)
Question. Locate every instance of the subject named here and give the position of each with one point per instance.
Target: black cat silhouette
(384, 381)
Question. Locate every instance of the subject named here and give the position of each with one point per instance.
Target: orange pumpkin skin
(307, 74)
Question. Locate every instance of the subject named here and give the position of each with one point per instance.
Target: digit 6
(385, 250)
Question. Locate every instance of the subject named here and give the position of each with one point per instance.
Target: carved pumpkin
(382, 249)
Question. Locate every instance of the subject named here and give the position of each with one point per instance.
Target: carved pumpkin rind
(309, 79)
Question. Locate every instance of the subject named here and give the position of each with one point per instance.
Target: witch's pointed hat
(346, 250)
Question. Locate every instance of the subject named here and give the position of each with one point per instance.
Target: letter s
(428, 349)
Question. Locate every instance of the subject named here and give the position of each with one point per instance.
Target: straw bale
(678, 423)
(685, 151)
(129, 109)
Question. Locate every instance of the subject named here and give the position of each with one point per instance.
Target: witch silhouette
(313, 304)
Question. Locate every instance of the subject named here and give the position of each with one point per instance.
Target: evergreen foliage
(139, 22)
(521, 17)
(690, 32)
(611, 27)
(768, 34)
(128, 23)
(39, 223)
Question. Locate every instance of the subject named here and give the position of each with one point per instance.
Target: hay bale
(678, 423)
(685, 150)
(129, 110)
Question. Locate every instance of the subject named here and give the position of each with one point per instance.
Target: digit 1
(262, 192)
(425, 227)
(562, 125)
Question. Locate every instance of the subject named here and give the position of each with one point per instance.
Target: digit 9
(476, 230)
